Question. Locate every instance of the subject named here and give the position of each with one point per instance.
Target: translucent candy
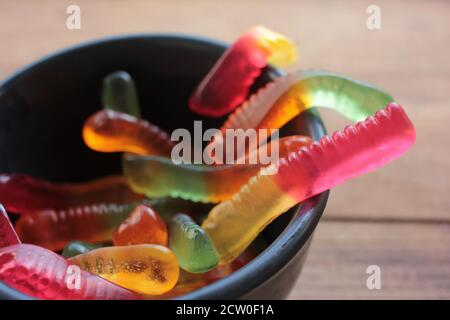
(53, 229)
(8, 236)
(40, 273)
(20, 193)
(192, 246)
(112, 131)
(160, 177)
(301, 90)
(144, 268)
(119, 93)
(143, 225)
(359, 149)
(286, 97)
(227, 84)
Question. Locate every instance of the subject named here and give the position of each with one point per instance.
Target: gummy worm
(159, 177)
(53, 229)
(192, 246)
(119, 93)
(8, 235)
(23, 194)
(359, 149)
(144, 268)
(43, 274)
(112, 131)
(286, 97)
(143, 225)
(227, 84)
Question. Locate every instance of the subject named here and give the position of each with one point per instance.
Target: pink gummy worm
(43, 274)
(360, 148)
(227, 84)
(8, 236)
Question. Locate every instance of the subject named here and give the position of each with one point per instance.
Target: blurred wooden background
(397, 217)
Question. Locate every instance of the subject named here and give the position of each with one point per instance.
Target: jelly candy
(143, 225)
(40, 273)
(227, 84)
(75, 248)
(192, 246)
(119, 93)
(53, 229)
(286, 97)
(160, 177)
(23, 194)
(112, 131)
(8, 236)
(359, 149)
(143, 268)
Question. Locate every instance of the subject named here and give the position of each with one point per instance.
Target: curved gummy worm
(112, 131)
(144, 268)
(53, 229)
(192, 246)
(43, 274)
(119, 93)
(20, 193)
(301, 90)
(359, 149)
(286, 97)
(143, 225)
(8, 235)
(160, 177)
(227, 84)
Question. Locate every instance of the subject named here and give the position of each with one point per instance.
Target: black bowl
(42, 109)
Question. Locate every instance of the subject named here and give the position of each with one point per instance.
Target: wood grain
(408, 57)
(414, 260)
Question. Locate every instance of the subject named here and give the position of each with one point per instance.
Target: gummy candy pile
(163, 229)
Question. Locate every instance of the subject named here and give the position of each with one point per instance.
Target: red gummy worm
(21, 193)
(358, 149)
(43, 274)
(8, 236)
(228, 83)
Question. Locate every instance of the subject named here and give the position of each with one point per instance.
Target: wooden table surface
(396, 218)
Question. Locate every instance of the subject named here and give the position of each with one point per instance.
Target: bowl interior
(43, 107)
